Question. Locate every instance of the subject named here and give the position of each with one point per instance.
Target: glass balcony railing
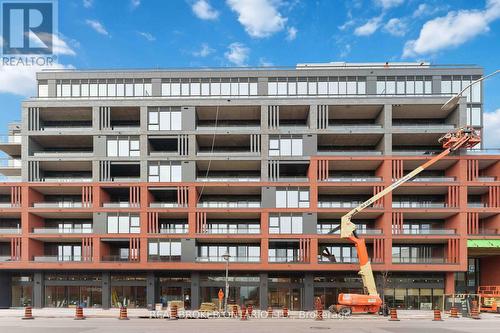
(284, 260)
(339, 204)
(228, 179)
(9, 179)
(57, 258)
(118, 258)
(240, 229)
(231, 259)
(119, 205)
(164, 205)
(11, 139)
(10, 231)
(164, 258)
(424, 232)
(418, 260)
(6, 258)
(62, 230)
(433, 179)
(58, 205)
(353, 179)
(485, 232)
(477, 205)
(339, 260)
(486, 179)
(229, 204)
(66, 179)
(325, 152)
(416, 204)
(6, 205)
(321, 230)
(178, 230)
(10, 163)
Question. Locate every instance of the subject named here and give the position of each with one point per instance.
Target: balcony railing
(415, 204)
(353, 179)
(349, 152)
(118, 258)
(164, 205)
(339, 260)
(57, 258)
(64, 128)
(477, 205)
(231, 259)
(59, 205)
(12, 139)
(351, 127)
(10, 179)
(233, 231)
(486, 179)
(434, 179)
(119, 205)
(6, 258)
(64, 153)
(227, 153)
(426, 126)
(6, 205)
(164, 258)
(340, 204)
(10, 231)
(326, 231)
(66, 179)
(485, 232)
(183, 230)
(229, 204)
(10, 163)
(398, 260)
(285, 260)
(424, 232)
(228, 179)
(62, 231)
(125, 179)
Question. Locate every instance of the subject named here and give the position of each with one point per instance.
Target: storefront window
(72, 296)
(285, 297)
(129, 296)
(241, 295)
(22, 295)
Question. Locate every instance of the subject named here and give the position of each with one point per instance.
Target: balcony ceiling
(354, 111)
(66, 113)
(412, 111)
(353, 165)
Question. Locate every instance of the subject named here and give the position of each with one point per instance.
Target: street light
(453, 101)
(226, 257)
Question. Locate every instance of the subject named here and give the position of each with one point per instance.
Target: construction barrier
(454, 312)
(79, 313)
(269, 312)
(463, 303)
(437, 315)
(474, 312)
(394, 315)
(285, 312)
(28, 314)
(173, 312)
(123, 313)
(250, 310)
(243, 313)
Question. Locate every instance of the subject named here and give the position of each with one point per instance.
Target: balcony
(10, 231)
(236, 259)
(228, 179)
(61, 204)
(57, 258)
(418, 205)
(437, 179)
(66, 179)
(6, 259)
(339, 204)
(477, 205)
(10, 167)
(119, 205)
(424, 232)
(118, 258)
(229, 204)
(11, 144)
(47, 231)
(486, 179)
(347, 179)
(236, 228)
(228, 145)
(338, 260)
(228, 118)
(419, 260)
(486, 232)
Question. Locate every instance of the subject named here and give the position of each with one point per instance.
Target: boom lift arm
(462, 138)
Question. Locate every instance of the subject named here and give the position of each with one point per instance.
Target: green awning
(485, 243)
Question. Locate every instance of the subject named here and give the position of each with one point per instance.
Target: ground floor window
(329, 295)
(241, 295)
(22, 295)
(289, 297)
(172, 293)
(414, 298)
(72, 296)
(129, 296)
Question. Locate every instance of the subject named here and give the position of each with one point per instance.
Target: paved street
(421, 324)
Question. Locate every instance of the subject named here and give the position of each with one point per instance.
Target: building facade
(129, 187)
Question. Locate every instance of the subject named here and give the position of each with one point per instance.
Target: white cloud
(345, 50)
(60, 46)
(452, 30)
(369, 27)
(265, 63)
(291, 33)
(203, 10)
(20, 80)
(347, 24)
(204, 51)
(491, 132)
(386, 4)
(135, 3)
(149, 37)
(260, 18)
(396, 27)
(88, 3)
(97, 26)
(237, 54)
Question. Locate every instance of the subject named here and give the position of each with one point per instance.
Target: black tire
(345, 311)
(332, 308)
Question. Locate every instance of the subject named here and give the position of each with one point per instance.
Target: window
(165, 249)
(403, 85)
(123, 224)
(43, 89)
(238, 253)
(165, 172)
(285, 224)
(165, 119)
(292, 197)
(69, 253)
(340, 254)
(285, 146)
(123, 146)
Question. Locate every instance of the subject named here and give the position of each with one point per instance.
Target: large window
(123, 146)
(285, 224)
(452, 85)
(237, 253)
(404, 85)
(285, 146)
(69, 253)
(242, 86)
(292, 197)
(165, 172)
(104, 88)
(417, 254)
(123, 224)
(339, 253)
(164, 119)
(165, 250)
(333, 85)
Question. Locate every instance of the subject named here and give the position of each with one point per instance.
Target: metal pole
(227, 285)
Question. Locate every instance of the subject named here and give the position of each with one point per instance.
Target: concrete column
(52, 88)
(6, 290)
(106, 290)
(313, 116)
(151, 294)
(156, 86)
(195, 290)
(371, 85)
(308, 292)
(436, 84)
(263, 291)
(38, 289)
(262, 86)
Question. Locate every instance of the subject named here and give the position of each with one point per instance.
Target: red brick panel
(15, 248)
(494, 196)
(397, 169)
(15, 196)
(87, 249)
(472, 223)
(472, 170)
(134, 249)
(323, 166)
(135, 196)
(453, 251)
(182, 196)
(201, 222)
(453, 196)
(397, 222)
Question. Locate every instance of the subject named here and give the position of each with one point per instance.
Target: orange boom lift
(370, 302)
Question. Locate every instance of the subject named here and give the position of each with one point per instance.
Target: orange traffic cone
(437, 315)
(79, 313)
(123, 313)
(28, 313)
(394, 315)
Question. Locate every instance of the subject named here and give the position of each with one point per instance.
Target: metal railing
(339, 260)
(486, 179)
(119, 205)
(225, 152)
(6, 258)
(183, 230)
(66, 179)
(62, 128)
(362, 231)
(488, 151)
(62, 231)
(164, 258)
(57, 258)
(164, 205)
(433, 179)
(118, 258)
(408, 260)
(228, 179)
(64, 153)
(349, 152)
(232, 231)
(340, 204)
(229, 204)
(10, 163)
(477, 205)
(285, 260)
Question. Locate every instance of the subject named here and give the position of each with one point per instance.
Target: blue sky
(220, 33)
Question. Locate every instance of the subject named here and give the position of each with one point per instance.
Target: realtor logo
(27, 27)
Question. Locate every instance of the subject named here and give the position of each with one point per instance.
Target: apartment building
(129, 187)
